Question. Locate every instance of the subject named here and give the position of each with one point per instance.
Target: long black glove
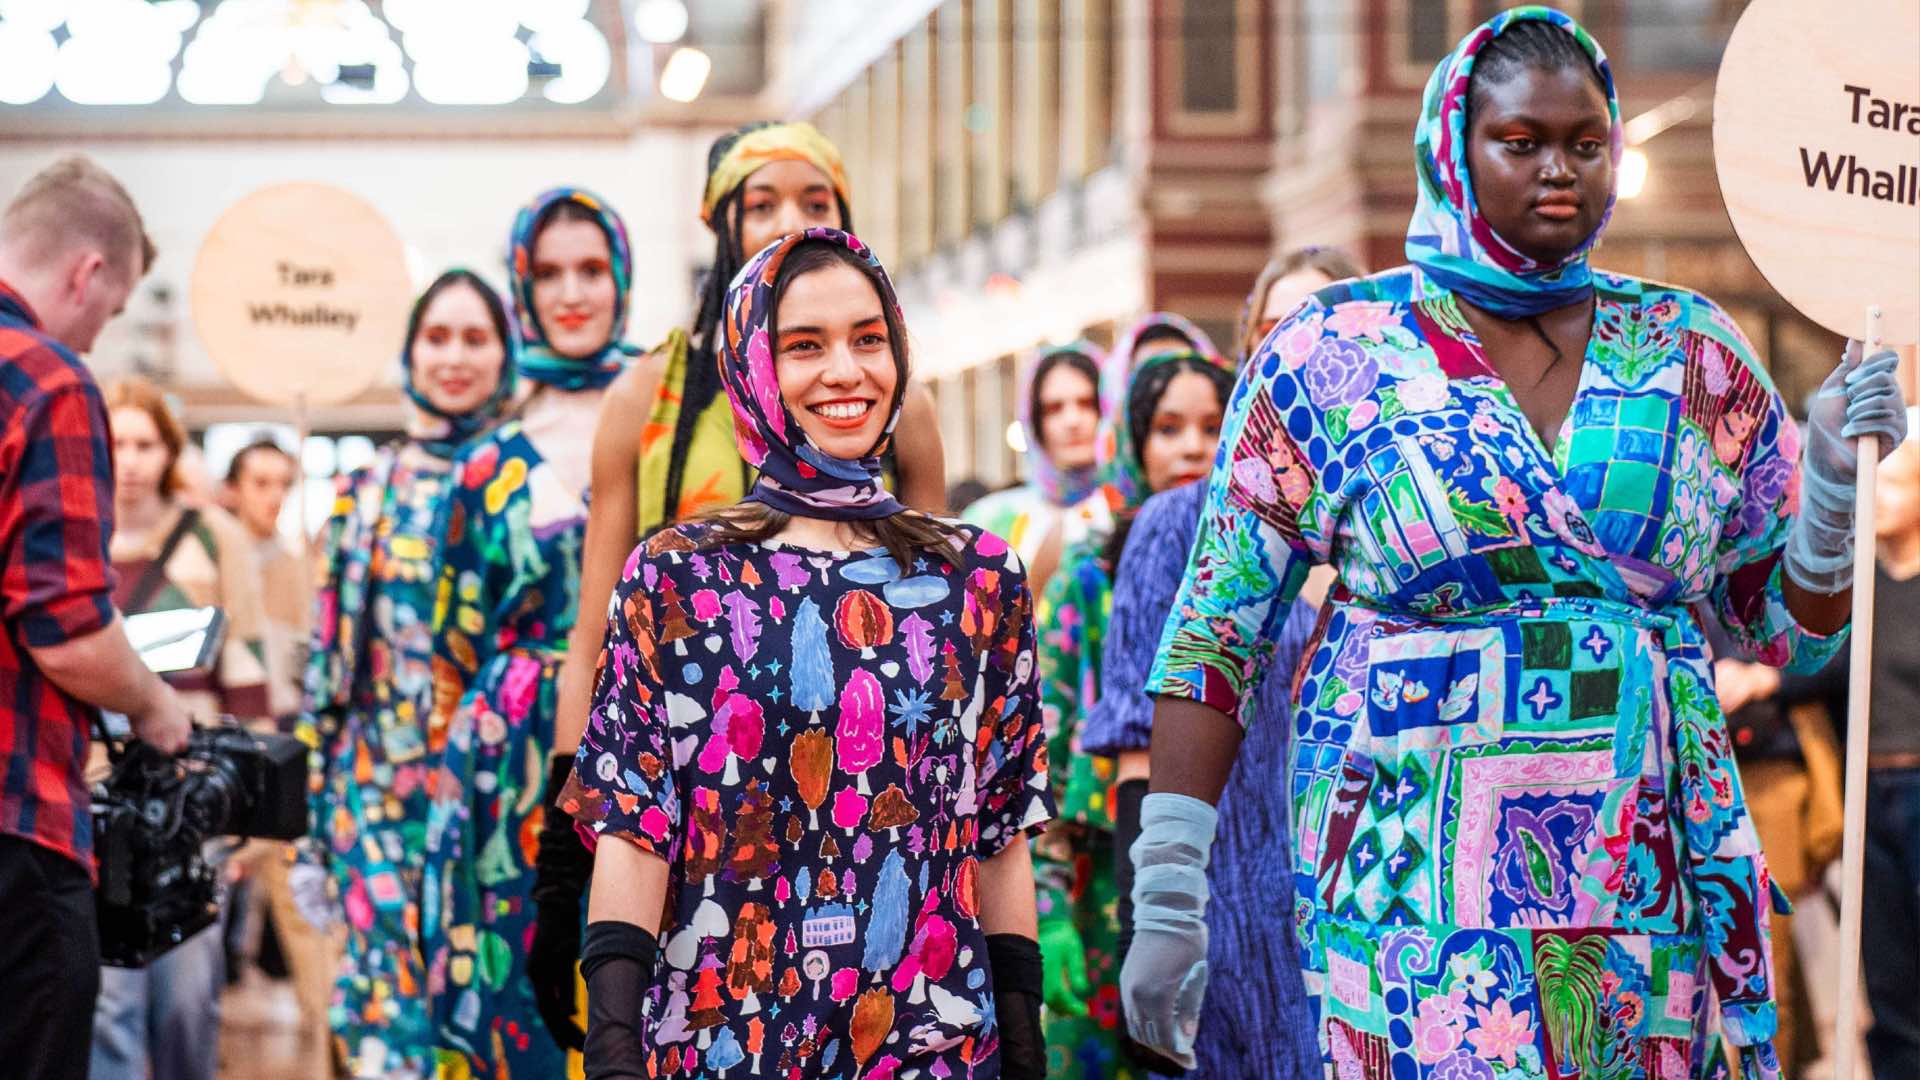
(1018, 983)
(617, 962)
(561, 871)
(1126, 829)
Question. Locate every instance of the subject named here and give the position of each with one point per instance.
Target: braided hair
(703, 368)
(1528, 44)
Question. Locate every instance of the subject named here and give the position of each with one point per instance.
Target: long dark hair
(904, 534)
(703, 373)
(1143, 400)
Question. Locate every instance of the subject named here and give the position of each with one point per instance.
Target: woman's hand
(1064, 956)
(1164, 980)
(1860, 398)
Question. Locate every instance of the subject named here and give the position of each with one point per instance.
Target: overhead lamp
(1633, 173)
(1017, 437)
(685, 74)
(660, 22)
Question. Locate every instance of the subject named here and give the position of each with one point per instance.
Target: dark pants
(49, 962)
(1890, 921)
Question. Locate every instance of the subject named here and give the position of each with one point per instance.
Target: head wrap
(756, 146)
(1448, 238)
(538, 361)
(1123, 471)
(442, 433)
(1116, 379)
(796, 477)
(1060, 487)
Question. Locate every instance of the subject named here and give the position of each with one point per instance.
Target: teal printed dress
(1522, 848)
(508, 590)
(369, 691)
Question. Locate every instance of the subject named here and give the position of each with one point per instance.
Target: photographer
(72, 247)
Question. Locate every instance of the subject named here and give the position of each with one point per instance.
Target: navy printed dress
(823, 749)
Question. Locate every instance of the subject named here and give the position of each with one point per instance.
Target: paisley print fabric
(1521, 843)
(1448, 237)
(508, 588)
(537, 360)
(796, 477)
(369, 691)
(823, 749)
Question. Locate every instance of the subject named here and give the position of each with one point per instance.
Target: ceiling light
(1017, 437)
(661, 22)
(685, 74)
(32, 58)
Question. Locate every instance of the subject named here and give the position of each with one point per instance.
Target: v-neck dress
(1522, 848)
(509, 587)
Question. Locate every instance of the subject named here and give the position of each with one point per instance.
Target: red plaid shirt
(56, 513)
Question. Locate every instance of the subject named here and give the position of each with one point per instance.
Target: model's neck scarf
(1123, 469)
(1059, 487)
(796, 477)
(758, 145)
(1448, 238)
(537, 359)
(442, 433)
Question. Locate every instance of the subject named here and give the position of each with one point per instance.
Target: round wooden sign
(301, 292)
(1816, 136)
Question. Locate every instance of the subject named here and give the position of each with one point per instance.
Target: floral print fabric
(797, 477)
(823, 749)
(508, 588)
(369, 692)
(1522, 847)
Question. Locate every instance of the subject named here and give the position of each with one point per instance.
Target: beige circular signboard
(301, 292)
(1816, 135)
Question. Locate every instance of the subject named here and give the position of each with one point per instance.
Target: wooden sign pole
(1859, 702)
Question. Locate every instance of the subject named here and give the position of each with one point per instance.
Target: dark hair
(496, 309)
(1165, 333)
(1143, 400)
(261, 445)
(1073, 361)
(703, 372)
(903, 534)
(1528, 44)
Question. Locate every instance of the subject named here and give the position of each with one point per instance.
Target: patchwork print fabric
(1522, 849)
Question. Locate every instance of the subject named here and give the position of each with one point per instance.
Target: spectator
(258, 482)
(72, 247)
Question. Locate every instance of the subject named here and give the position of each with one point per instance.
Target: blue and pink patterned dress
(1521, 844)
(824, 750)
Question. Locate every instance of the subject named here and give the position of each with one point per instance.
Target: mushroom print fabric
(824, 749)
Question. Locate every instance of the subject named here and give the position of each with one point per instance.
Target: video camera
(154, 813)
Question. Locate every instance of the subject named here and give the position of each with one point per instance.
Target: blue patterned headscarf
(538, 361)
(1448, 238)
(796, 477)
(443, 433)
(1059, 487)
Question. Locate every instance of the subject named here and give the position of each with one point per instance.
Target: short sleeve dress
(823, 749)
(1521, 841)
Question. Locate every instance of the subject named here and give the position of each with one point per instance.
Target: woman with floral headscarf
(370, 673)
(1059, 409)
(1521, 845)
(1162, 435)
(664, 447)
(501, 981)
(815, 750)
